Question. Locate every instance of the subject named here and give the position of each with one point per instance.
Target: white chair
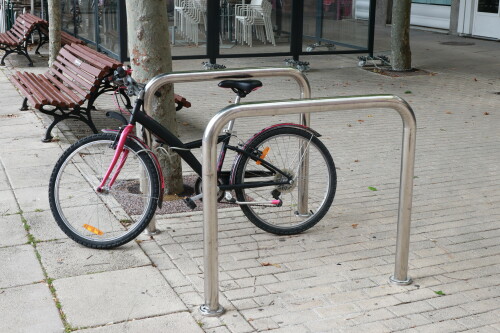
(256, 15)
(194, 14)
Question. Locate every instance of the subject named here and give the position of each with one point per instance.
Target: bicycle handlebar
(122, 78)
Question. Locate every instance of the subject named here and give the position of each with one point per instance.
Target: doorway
(486, 19)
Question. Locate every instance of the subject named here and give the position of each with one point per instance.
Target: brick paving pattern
(334, 277)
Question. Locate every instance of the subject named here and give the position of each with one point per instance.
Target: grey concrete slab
(65, 258)
(176, 322)
(12, 231)
(98, 299)
(29, 309)
(43, 226)
(31, 158)
(21, 177)
(28, 140)
(4, 182)
(8, 204)
(19, 266)
(34, 198)
(9, 118)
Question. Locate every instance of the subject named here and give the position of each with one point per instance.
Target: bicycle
(105, 188)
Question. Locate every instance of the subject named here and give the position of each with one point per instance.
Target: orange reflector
(263, 156)
(93, 229)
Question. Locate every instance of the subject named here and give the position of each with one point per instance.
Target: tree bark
(400, 35)
(54, 12)
(149, 49)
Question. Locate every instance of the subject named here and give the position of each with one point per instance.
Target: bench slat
(68, 81)
(71, 94)
(60, 96)
(28, 82)
(26, 92)
(99, 57)
(51, 98)
(92, 60)
(81, 78)
(80, 64)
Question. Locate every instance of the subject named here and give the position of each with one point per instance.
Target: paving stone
(29, 309)
(8, 203)
(65, 258)
(43, 226)
(176, 322)
(19, 266)
(32, 199)
(122, 295)
(12, 231)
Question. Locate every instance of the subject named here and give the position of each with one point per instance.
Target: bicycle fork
(118, 151)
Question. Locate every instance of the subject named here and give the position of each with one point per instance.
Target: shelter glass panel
(187, 27)
(67, 15)
(85, 19)
(330, 25)
(108, 25)
(255, 26)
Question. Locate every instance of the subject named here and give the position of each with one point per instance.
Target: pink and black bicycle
(105, 188)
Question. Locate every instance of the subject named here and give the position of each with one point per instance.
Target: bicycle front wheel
(111, 217)
(303, 157)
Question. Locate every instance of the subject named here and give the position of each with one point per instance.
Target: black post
(96, 28)
(122, 26)
(297, 28)
(213, 19)
(319, 21)
(371, 27)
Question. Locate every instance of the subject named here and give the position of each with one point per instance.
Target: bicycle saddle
(241, 87)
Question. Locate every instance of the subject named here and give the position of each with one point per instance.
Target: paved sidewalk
(333, 278)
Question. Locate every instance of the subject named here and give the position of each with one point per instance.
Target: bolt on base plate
(205, 311)
(397, 282)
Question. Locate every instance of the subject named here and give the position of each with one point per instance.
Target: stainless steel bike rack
(209, 176)
(178, 77)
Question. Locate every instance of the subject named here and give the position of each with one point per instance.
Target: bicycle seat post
(230, 124)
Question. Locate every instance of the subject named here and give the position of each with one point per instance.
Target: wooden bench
(79, 74)
(66, 38)
(16, 39)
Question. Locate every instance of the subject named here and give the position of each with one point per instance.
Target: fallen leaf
(361, 120)
(354, 226)
(269, 264)
(449, 112)
(185, 123)
(440, 293)
(356, 161)
(486, 113)
(372, 188)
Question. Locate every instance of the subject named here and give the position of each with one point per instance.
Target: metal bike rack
(209, 176)
(178, 77)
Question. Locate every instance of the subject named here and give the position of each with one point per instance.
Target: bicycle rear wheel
(114, 216)
(286, 149)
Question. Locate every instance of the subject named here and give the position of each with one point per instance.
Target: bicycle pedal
(190, 203)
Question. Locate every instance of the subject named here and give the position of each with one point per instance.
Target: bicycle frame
(159, 131)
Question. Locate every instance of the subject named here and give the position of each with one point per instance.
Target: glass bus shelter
(212, 29)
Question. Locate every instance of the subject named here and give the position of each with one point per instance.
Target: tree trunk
(400, 35)
(54, 11)
(149, 48)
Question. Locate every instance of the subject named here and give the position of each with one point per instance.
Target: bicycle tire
(285, 153)
(115, 216)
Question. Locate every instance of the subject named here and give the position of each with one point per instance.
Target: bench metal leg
(24, 107)
(7, 52)
(88, 119)
(48, 136)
